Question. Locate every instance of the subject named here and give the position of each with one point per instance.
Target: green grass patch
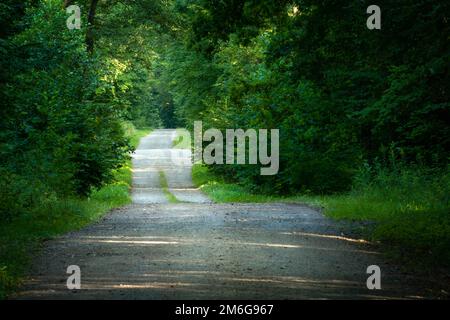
(410, 209)
(165, 188)
(221, 191)
(183, 140)
(23, 236)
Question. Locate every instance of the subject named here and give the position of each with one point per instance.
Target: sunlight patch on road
(325, 236)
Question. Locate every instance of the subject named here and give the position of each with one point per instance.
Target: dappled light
(181, 251)
(327, 236)
(251, 149)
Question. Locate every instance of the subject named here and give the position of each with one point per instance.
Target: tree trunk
(67, 3)
(90, 26)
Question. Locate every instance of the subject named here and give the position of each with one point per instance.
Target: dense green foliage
(341, 94)
(62, 107)
(362, 113)
(58, 138)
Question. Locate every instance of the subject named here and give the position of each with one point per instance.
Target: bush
(59, 131)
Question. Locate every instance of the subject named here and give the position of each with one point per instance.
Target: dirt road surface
(196, 249)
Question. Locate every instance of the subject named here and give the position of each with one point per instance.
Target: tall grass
(410, 205)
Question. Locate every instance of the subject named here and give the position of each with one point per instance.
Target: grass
(410, 209)
(183, 139)
(220, 191)
(165, 188)
(21, 238)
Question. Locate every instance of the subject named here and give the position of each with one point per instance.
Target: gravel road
(196, 249)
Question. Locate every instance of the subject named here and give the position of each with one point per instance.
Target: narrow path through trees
(158, 250)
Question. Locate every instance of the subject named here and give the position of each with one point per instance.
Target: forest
(363, 114)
